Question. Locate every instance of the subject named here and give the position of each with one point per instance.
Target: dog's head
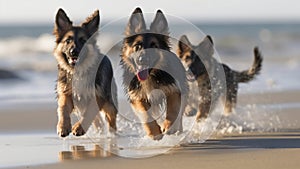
(70, 39)
(143, 48)
(194, 57)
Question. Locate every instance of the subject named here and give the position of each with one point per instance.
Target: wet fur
(199, 60)
(92, 77)
(166, 78)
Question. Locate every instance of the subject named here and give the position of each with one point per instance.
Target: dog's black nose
(74, 52)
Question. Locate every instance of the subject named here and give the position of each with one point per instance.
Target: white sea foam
(14, 46)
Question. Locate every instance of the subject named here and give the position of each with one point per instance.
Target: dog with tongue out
(143, 65)
(153, 75)
(85, 82)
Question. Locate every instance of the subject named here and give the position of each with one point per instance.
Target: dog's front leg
(173, 121)
(65, 108)
(89, 113)
(141, 108)
(205, 105)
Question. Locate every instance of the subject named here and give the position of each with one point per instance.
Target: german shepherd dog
(153, 74)
(79, 60)
(198, 59)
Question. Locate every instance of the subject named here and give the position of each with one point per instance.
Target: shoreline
(247, 151)
(17, 115)
(28, 139)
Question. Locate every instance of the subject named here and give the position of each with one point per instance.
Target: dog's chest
(83, 87)
(144, 89)
(83, 80)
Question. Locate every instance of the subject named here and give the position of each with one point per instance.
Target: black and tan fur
(199, 59)
(152, 73)
(85, 77)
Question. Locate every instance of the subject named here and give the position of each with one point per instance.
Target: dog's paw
(64, 128)
(228, 111)
(190, 112)
(153, 131)
(78, 130)
(155, 134)
(156, 137)
(169, 128)
(201, 116)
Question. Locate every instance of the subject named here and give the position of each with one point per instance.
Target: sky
(42, 11)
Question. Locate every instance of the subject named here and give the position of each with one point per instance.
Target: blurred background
(28, 68)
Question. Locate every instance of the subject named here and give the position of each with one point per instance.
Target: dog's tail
(247, 75)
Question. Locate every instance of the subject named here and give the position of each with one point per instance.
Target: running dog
(83, 74)
(153, 74)
(201, 66)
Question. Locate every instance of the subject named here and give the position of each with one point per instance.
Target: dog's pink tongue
(143, 75)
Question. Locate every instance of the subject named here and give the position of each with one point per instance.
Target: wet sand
(28, 140)
(280, 150)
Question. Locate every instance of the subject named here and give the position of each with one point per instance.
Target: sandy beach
(29, 140)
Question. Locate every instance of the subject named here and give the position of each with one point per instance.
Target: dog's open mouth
(190, 76)
(142, 73)
(73, 60)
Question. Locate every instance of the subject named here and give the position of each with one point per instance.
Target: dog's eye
(188, 59)
(188, 56)
(137, 47)
(153, 45)
(82, 40)
(69, 40)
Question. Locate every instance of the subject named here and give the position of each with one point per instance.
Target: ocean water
(27, 52)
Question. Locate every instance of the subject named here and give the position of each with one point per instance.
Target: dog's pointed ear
(208, 45)
(136, 23)
(184, 44)
(62, 23)
(160, 24)
(91, 24)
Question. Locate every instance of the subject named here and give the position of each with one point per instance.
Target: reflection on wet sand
(78, 152)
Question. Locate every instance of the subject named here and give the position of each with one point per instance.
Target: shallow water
(25, 148)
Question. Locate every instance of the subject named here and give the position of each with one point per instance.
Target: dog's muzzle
(189, 75)
(142, 67)
(74, 53)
